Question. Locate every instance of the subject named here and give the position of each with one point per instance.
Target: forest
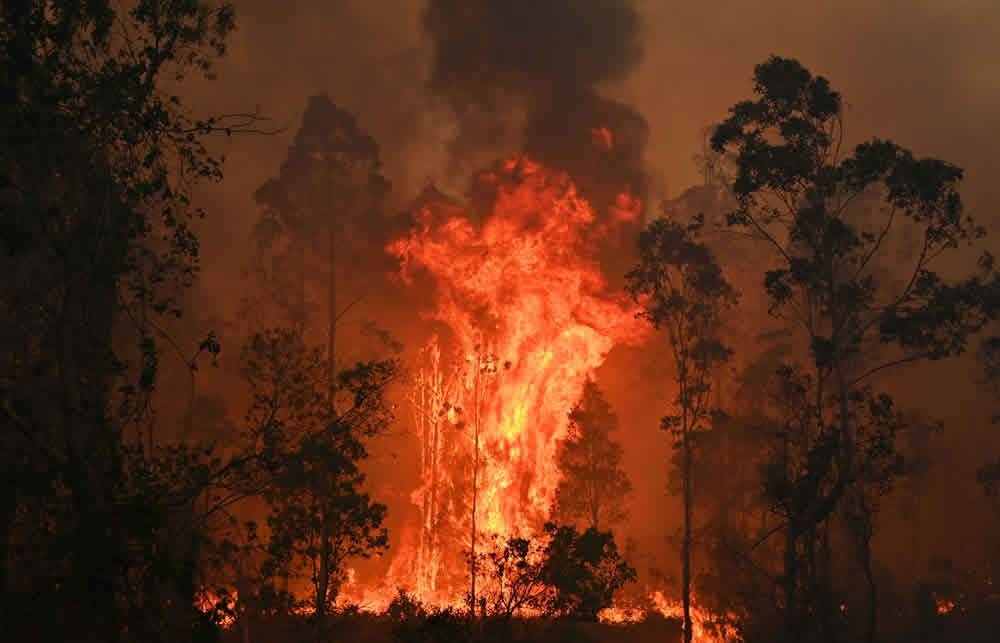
(402, 322)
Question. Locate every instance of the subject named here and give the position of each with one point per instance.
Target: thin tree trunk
(686, 555)
(866, 563)
(790, 582)
(475, 483)
(299, 315)
(332, 300)
(433, 517)
(8, 512)
(323, 578)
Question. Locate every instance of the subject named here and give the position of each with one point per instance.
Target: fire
(526, 317)
(944, 606)
(603, 138)
(705, 627)
(222, 606)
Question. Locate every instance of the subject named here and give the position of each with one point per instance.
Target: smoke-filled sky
(446, 86)
(923, 72)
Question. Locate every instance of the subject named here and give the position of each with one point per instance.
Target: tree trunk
(299, 315)
(475, 485)
(433, 516)
(332, 300)
(8, 512)
(790, 579)
(323, 577)
(686, 567)
(865, 553)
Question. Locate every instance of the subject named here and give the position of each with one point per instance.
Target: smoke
(529, 74)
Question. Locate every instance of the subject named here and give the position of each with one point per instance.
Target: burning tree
(840, 226)
(431, 401)
(515, 278)
(685, 293)
(593, 485)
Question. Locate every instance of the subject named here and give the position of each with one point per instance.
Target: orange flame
(944, 606)
(528, 318)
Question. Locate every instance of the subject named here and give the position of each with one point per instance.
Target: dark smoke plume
(532, 70)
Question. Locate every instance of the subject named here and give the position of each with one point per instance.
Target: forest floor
(379, 628)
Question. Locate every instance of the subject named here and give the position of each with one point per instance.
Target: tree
(684, 292)
(311, 446)
(96, 173)
(988, 475)
(486, 368)
(838, 225)
(584, 570)
(322, 196)
(593, 485)
(514, 571)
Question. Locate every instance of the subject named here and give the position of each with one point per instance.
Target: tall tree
(321, 200)
(838, 223)
(313, 446)
(593, 486)
(486, 368)
(685, 293)
(95, 176)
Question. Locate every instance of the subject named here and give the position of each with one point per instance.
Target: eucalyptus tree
(321, 201)
(97, 221)
(856, 235)
(684, 293)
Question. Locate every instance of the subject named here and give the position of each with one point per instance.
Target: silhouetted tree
(311, 447)
(96, 172)
(593, 486)
(513, 570)
(684, 292)
(320, 201)
(584, 569)
(988, 475)
(838, 222)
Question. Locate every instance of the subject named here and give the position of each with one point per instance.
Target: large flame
(526, 318)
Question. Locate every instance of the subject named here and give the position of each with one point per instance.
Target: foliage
(988, 476)
(584, 569)
(841, 228)
(515, 582)
(312, 443)
(327, 183)
(683, 290)
(405, 607)
(593, 486)
(798, 194)
(439, 626)
(96, 222)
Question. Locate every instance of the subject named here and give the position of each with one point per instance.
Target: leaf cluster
(594, 485)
